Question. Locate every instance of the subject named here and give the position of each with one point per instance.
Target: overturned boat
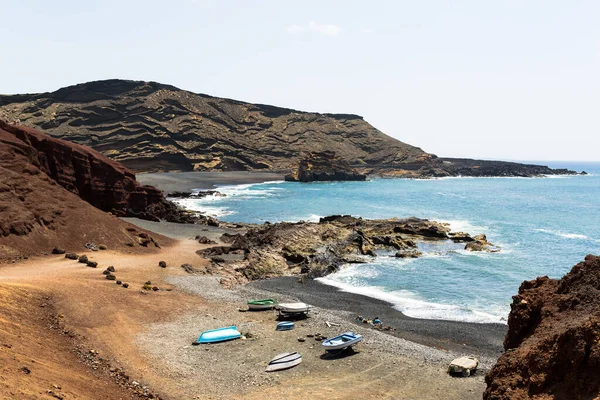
(343, 341)
(293, 308)
(284, 361)
(285, 326)
(219, 335)
(263, 304)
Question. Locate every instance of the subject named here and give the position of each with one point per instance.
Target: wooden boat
(219, 335)
(342, 341)
(293, 308)
(284, 361)
(285, 326)
(263, 304)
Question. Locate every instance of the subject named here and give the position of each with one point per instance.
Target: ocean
(543, 225)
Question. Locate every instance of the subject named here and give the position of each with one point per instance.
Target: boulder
(126, 285)
(162, 264)
(111, 277)
(463, 366)
(102, 247)
(92, 264)
(71, 256)
(460, 237)
(58, 250)
(111, 269)
(83, 259)
(205, 240)
(409, 254)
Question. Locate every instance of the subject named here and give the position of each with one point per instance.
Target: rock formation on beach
(552, 348)
(317, 249)
(148, 126)
(324, 166)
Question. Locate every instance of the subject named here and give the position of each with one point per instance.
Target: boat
(293, 308)
(342, 341)
(263, 304)
(285, 326)
(219, 335)
(284, 361)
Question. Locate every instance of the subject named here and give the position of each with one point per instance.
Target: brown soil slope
(553, 340)
(37, 213)
(149, 126)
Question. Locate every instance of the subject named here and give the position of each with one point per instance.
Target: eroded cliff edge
(552, 348)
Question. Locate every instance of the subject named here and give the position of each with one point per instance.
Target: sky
(506, 79)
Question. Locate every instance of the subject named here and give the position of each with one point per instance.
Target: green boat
(263, 304)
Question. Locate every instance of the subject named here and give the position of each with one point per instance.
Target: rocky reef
(95, 178)
(148, 126)
(317, 249)
(552, 348)
(324, 166)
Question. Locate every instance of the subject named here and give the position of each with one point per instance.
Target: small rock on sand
(58, 250)
(71, 256)
(83, 259)
(111, 269)
(111, 277)
(162, 264)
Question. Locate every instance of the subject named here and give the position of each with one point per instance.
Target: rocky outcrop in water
(100, 181)
(324, 166)
(148, 126)
(317, 249)
(552, 348)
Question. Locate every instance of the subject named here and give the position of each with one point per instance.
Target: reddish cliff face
(553, 341)
(37, 213)
(100, 181)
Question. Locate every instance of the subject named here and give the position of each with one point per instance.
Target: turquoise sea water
(543, 225)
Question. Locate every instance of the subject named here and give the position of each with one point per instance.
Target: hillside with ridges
(150, 126)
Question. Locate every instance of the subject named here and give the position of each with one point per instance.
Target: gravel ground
(235, 369)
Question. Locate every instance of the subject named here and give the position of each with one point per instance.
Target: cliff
(552, 348)
(41, 181)
(95, 178)
(324, 166)
(148, 126)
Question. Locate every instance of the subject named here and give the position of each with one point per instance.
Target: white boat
(284, 361)
(293, 308)
(342, 341)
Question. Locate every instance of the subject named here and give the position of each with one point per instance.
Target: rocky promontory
(315, 249)
(149, 126)
(324, 166)
(552, 348)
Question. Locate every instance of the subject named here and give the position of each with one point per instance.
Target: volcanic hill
(58, 194)
(148, 126)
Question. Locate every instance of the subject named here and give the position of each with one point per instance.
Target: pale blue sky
(498, 79)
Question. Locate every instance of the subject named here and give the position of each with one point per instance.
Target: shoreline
(170, 182)
(480, 339)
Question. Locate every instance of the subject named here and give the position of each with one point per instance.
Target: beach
(186, 181)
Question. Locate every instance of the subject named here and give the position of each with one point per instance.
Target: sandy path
(149, 335)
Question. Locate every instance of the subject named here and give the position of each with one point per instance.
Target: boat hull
(219, 335)
(284, 361)
(342, 341)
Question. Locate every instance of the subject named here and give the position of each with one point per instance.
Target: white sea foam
(465, 226)
(409, 304)
(565, 235)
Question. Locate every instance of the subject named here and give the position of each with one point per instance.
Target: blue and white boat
(219, 335)
(342, 341)
(285, 326)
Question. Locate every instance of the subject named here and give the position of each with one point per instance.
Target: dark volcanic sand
(464, 337)
(186, 181)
